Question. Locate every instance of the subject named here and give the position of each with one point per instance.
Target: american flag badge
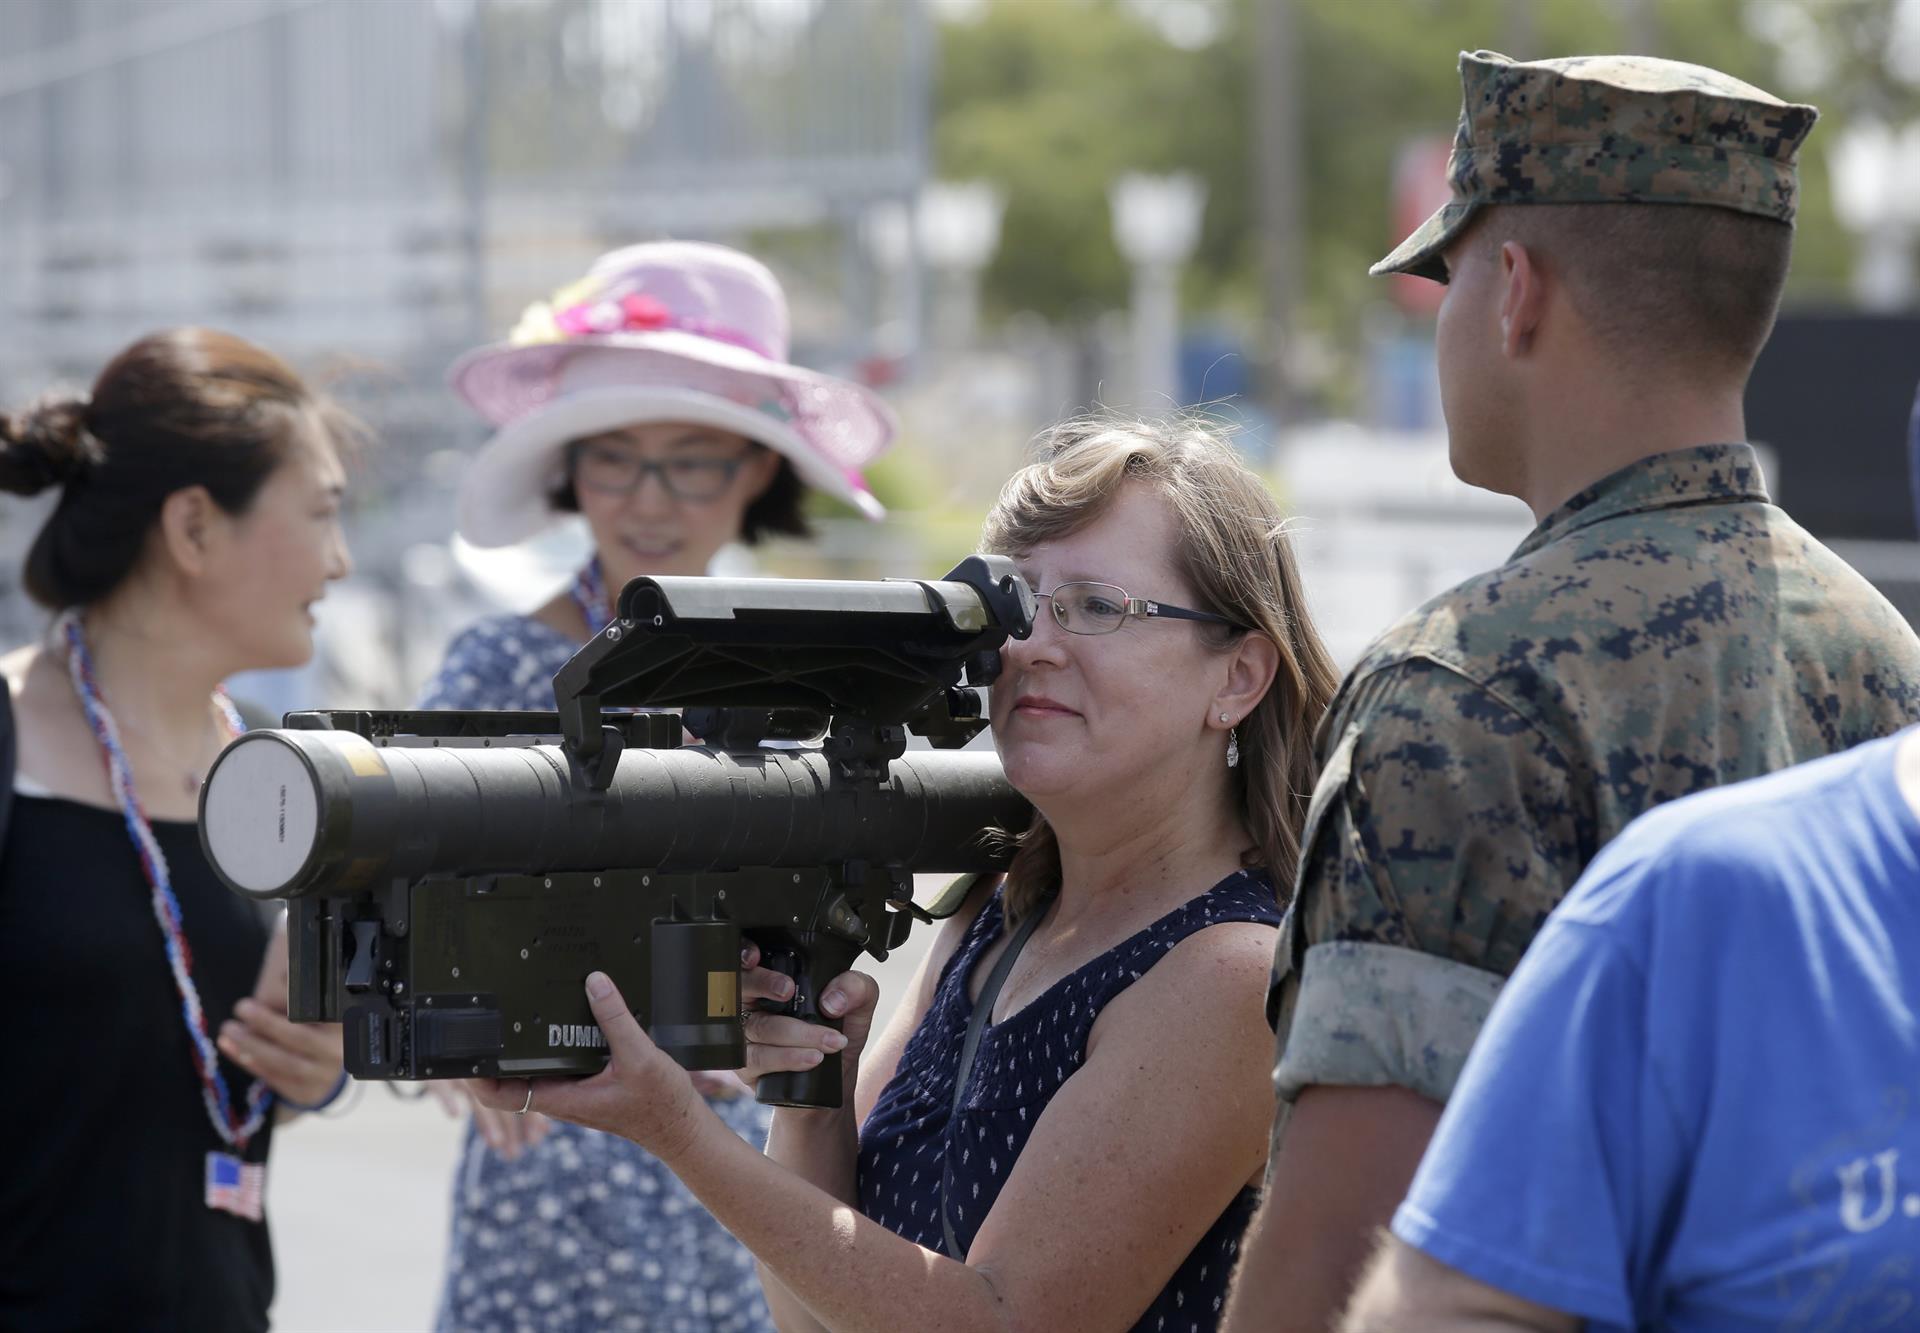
(236, 1187)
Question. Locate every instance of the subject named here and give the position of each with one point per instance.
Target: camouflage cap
(1605, 130)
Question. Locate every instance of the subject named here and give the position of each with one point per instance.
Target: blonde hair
(1234, 549)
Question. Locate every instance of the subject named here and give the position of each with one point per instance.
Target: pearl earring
(1223, 717)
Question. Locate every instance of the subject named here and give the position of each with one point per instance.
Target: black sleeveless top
(911, 1146)
(103, 1220)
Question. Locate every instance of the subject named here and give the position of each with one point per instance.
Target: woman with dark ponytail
(199, 490)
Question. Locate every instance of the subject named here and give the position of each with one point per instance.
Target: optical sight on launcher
(452, 877)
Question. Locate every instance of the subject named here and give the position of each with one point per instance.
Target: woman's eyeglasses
(615, 472)
(1101, 608)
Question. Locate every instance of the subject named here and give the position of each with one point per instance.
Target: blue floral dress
(586, 1230)
(917, 1155)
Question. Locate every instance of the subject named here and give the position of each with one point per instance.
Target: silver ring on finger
(529, 1104)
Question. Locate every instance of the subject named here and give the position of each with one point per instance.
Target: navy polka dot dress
(912, 1146)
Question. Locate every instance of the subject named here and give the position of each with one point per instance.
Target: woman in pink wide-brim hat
(665, 333)
(655, 399)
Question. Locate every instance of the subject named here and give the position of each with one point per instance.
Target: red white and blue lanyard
(233, 1130)
(589, 593)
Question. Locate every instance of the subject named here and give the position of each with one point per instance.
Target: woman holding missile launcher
(198, 522)
(1064, 1124)
(656, 399)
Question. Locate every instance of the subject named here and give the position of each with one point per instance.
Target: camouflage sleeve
(1443, 830)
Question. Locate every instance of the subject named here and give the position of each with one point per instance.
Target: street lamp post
(1876, 195)
(888, 231)
(1156, 225)
(959, 229)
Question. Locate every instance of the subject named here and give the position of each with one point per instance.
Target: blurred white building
(379, 178)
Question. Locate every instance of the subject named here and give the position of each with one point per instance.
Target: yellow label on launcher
(723, 994)
(363, 757)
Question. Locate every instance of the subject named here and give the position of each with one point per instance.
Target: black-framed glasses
(615, 472)
(1101, 608)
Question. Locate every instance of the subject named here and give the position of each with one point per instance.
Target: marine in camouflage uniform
(1667, 629)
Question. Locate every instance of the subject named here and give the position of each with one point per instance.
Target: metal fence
(395, 178)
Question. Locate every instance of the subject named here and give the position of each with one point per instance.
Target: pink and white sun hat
(666, 331)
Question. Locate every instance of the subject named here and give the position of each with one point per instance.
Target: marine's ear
(1523, 299)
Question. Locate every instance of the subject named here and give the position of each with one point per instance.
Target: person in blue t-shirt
(1697, 1103)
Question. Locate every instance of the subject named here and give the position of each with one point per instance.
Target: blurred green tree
(1052, 99)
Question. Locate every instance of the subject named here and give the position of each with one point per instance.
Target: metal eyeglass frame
(1131, 608)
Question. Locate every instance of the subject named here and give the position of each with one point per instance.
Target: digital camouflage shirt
(1667, 629)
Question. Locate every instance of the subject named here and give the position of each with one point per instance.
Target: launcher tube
(288, 813)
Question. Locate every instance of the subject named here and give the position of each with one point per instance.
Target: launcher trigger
(788, 964)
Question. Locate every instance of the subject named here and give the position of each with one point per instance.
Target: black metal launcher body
(453, 877)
